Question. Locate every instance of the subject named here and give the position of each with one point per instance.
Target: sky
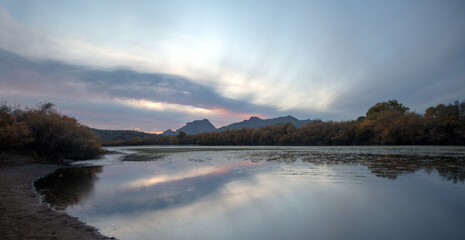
(154, 65)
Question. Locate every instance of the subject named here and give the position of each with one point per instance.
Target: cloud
(114, 90)
(164, 106)
(420, 62)
(35, 43)
(205, 58)
(225, 61)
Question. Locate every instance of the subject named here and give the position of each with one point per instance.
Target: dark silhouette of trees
(53, 135)
(385, 123)
(13, 134)
(445, 124)
(68, 186)
(181, 135)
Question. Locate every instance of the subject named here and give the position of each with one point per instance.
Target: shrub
(47, 133)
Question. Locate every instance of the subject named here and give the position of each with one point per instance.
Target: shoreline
(24, 215)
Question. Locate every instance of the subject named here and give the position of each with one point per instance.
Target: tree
(446, 123)
(380, 122)
(380, 108)
(13, 134)
(385, 123)
(181, 135)
(56, 136)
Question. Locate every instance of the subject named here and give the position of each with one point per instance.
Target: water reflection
(391, 166)
(169, 193)
(67, 186)
(268, 194)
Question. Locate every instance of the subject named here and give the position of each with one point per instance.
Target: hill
(256, 122)
(204, 126)
(194, 127)
(111, 135)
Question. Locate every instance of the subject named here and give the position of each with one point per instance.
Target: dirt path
(22, 216)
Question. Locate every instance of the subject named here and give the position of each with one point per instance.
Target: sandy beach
(23, 216)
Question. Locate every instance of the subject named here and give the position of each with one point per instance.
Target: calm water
(267, 193)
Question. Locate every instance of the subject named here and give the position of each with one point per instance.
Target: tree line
(385, 123)
(46, 133)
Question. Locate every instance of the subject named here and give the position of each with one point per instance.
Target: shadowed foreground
(22, 214)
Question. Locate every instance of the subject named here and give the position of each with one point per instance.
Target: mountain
(169, 132)
(197, 126)
(203, 126)
(111, 135)
(255, 122)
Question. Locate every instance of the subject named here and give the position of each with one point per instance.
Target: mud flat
(23, 216)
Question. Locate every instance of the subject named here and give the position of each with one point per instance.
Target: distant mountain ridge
(203, 126)
(199, 126)
(256, 122)
(194, 127)
(111, 135)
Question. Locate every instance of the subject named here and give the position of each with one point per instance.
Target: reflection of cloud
(162, 192)
(147, 182)
(233, 194)
(192, 173)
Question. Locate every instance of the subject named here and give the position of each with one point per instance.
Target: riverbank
(23, 216)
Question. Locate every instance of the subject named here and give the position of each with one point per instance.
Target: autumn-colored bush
(47, 133)
(13, 134)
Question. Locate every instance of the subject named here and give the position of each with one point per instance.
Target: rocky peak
(198, 126)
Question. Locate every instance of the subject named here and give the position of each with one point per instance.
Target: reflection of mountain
(452, 168)
(67, 186)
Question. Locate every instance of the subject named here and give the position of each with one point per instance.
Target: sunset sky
(154, 65)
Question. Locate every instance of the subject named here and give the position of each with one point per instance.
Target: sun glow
(191, 110)
(164, 106)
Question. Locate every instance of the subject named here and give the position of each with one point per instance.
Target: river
(179, 192)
